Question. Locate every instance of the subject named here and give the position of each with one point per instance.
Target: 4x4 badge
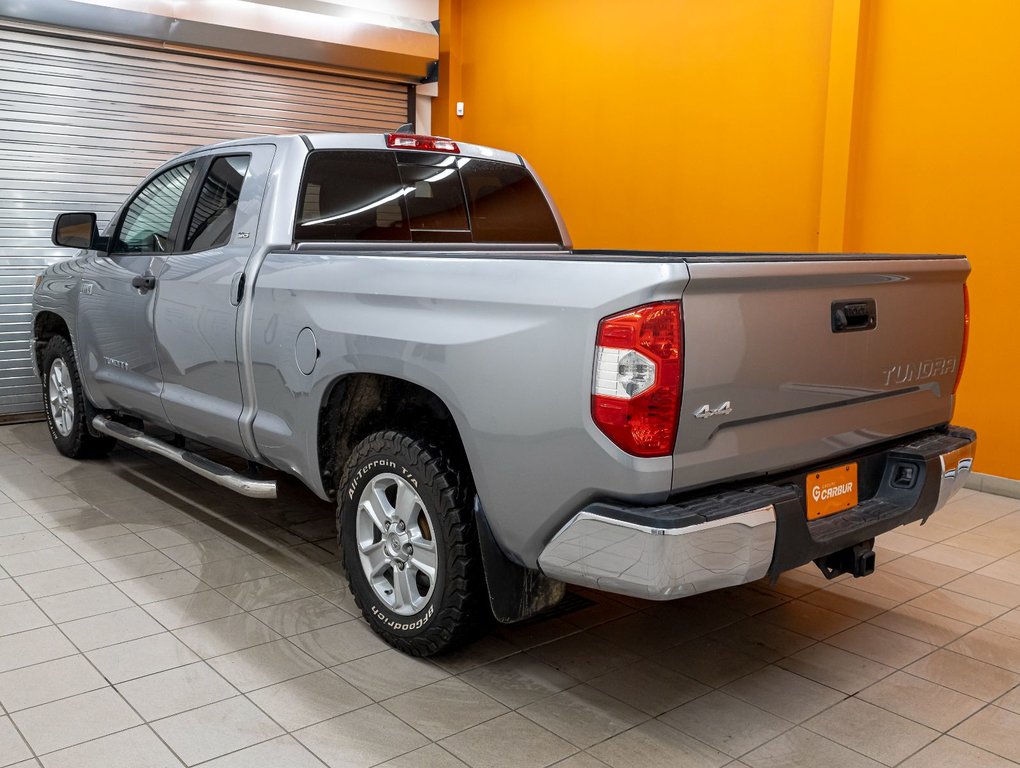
(706, 410)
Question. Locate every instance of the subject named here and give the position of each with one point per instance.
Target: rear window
(422, 197)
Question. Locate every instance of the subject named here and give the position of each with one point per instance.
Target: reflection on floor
(150, 619)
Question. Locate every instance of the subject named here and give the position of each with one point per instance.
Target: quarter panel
(506, 343)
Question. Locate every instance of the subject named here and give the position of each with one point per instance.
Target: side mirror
(76, 230)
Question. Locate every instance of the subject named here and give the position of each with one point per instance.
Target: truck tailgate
(796, 360)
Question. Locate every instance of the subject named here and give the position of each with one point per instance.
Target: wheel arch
(358, 404)
(45, 326)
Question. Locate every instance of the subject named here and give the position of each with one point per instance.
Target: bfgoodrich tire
(67, 413)
(408, 542)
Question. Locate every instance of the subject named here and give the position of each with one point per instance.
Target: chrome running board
(200, 465)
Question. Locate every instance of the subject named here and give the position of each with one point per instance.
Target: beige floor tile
(991, 647)
(135, 748)
(993, 729)
(340, 643)
(580, 760)
(222, 573)
(922, 701)
(161, 586)
(92, 529)
(216, 729)
(68, 579)
(261, 593)
(1007, 624)
(922, 625)
(726, 723)
(297, 616)
(974, 541)
(42, 560)
(226, 635)
(881, 645)
(431, 755)
(10, 592)
(583, 716)
(583, 656)
(710, 662)
(184, 611)
(964, 674)
(800, 748)
(48, 681)
(389, 673)
(24, 523)
(645, 633)
(985, 588)
(957, 557)
(850, 602)
(81, 718)
(109, 628)
(263, 665)
(798, 583)
(13, 748)
(19, 617)
(809, 620)
(360, 738)
(176, 690)
(947, 752)
(115, 546)
(1010, 701)
(902, 543)
(761, 639)
(648, 686)
(444, 708)
(482, 651)
(488, 745)
(83, 603)
(533, 633)
(890, 586)
(930, 531)
(172, 536)
(199, 552)
(833, 667)
(137, 658)
(1004, 570)
(924, 570)
(28, 542)
(872, 731)
(784, 693)
(33, 647)
(957, 606)
(135, 566)
(308, 700)
(520, 679)
(281, 752)
(656, 745)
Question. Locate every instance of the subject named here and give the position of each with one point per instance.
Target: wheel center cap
(395, 545)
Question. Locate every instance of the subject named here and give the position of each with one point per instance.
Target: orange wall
(701, 124)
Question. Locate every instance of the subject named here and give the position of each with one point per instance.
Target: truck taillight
(966, 337)
(417, 141)
(638, 378)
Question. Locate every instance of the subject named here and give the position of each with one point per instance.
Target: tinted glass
(212, 221)
(145, 227)
(506, 204)
(435, 200)
(352, 195)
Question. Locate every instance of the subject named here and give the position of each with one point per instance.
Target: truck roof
(316, 141)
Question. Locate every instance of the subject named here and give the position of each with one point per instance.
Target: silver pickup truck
(400, 322)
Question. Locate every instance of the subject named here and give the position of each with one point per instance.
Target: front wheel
(409, 546)
(67, 412)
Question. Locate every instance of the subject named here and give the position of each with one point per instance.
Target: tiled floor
(148, 619)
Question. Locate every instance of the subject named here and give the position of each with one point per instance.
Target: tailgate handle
(853, 315)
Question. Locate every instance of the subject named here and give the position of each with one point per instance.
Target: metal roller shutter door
(83, 121)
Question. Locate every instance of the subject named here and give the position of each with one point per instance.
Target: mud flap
(516, 593)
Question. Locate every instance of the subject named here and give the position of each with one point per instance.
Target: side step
(210, 470)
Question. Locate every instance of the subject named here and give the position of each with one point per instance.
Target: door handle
(144, 283)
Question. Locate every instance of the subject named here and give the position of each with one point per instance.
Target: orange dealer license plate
(831, 491)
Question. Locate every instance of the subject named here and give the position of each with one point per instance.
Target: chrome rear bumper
(722, 540)
(662, 563)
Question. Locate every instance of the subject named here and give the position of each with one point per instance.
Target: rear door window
(351, 195)
(212, 221)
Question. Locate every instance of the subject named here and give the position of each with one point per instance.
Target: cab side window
(212, 221)
(146, 225)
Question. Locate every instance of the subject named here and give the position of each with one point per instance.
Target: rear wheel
(408, 541)
(67, 413)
